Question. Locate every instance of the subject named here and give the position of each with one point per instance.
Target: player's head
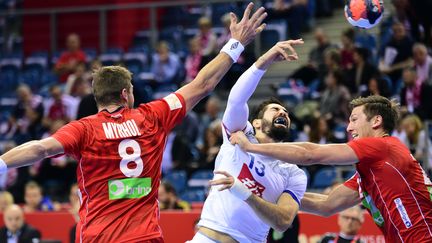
(112, 86)
(351, 220)
(14, 218)
(372, 116)
(271, 119)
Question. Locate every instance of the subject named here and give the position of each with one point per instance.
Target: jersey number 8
(135, 156)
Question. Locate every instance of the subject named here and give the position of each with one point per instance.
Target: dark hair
(362, 52)
(168, 187)
(376, 105)
(349, 33)
(258, 112)
(108, 83)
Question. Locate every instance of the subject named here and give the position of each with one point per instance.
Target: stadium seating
(200, 178)
(194, 195)
(324, 178)
(177, 179)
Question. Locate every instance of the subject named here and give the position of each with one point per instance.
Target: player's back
(119, 157)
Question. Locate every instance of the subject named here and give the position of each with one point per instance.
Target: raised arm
(338, 200)
(237, 111)
(30, 152)
(300, 153)
(242, 34)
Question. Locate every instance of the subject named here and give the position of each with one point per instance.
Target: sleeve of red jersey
(70, 136)
(352, 182)
(170, 110)
(369, 150)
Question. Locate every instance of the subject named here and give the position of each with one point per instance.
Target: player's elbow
(284, 222)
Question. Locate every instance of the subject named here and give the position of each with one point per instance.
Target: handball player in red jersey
(119, 150)
(389, 182)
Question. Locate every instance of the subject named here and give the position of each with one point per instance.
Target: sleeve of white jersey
(236, 114)
(296, 185)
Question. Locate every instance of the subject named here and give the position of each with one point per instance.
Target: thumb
(233, 18)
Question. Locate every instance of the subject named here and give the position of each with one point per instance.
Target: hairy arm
(300, 153)
(279, 216)
(339, 199)
(31, 152)
(207, 79)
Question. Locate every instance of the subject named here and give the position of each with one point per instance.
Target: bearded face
(275, 123)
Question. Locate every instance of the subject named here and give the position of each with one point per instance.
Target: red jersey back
(394, 188)
(119, 157)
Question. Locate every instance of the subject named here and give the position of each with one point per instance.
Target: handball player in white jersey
(250, 192)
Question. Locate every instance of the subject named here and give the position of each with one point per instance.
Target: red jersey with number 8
(119, 158)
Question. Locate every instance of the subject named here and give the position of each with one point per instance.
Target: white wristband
(233, 48)
(3, 167)
(240, 190)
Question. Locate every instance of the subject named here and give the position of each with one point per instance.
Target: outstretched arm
(31, 152)
(237, 111)
(242, 34)
(300, 153)
(338, 200)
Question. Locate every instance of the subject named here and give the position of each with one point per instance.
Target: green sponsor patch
(129, 188)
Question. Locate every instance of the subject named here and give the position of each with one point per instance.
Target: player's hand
(249, 26)
(226, 180)
(240, 139)
(282, 51)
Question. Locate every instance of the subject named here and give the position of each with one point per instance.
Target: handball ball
(364, 13)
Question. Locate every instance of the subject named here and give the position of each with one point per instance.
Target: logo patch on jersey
(129, 188)
(249, 181)
(173, 102)
(403, 213)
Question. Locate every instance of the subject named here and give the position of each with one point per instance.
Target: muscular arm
(300, 153)
(339, 199)
(279, 216)
(31, 152)
(207, 79)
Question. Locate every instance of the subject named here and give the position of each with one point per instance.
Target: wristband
(233, 48)
(3, 167)
(240, 190)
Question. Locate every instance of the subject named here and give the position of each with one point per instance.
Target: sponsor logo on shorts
(129, 188)
(403, 213)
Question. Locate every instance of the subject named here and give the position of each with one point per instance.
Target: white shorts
(200, 238)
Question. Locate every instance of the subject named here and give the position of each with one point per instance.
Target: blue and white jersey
(264, 176)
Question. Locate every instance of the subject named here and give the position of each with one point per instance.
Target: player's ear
(377, 121)
(256, 123)
(124, 95)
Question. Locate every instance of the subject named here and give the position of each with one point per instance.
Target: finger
(282, 52)
(222, 173)
(289, 47)
(296, 42)
(224, 187)
(292, 57)
(257, 15)
(247, 12)
(216, 182)
(233, 18)
(260, 29)
(260, 19)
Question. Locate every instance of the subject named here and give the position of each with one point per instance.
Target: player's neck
(110, 108)
(380, 134)
(262, 138)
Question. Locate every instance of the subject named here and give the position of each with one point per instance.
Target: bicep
(289, 204)
(52, 146)
(334, 154)
(192, 94)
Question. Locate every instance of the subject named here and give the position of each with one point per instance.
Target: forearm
(277, 217)
(25, 154)
(315, 203)
(298, 153)
(237, 111)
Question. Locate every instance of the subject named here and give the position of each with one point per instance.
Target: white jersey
(264, 176)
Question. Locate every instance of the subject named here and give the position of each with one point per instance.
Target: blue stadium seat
(193, 195)
(200, 178)
(177, 179)
(8, 79)
(91, 54)
(111, 56)
(324, 177)
(135, 62)
(269, 38)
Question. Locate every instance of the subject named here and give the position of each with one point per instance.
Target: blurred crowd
(397, 64)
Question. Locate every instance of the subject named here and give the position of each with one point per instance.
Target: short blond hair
(8, 197)
(108, 83)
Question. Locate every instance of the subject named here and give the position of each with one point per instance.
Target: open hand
(249, 26)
